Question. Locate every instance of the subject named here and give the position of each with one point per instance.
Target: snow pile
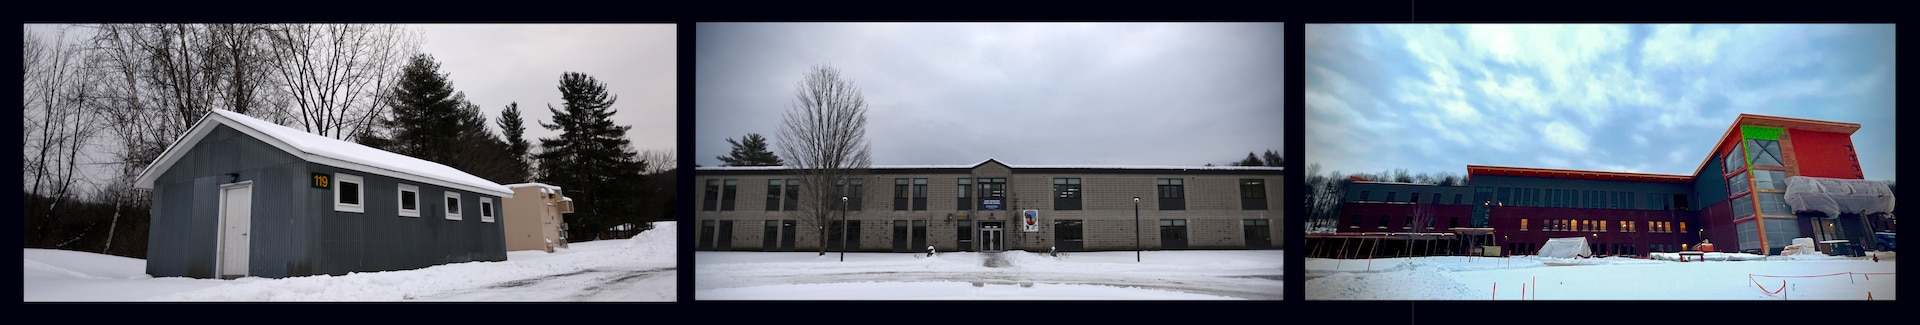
(654, 244)
(1712, 256)
(63, 264)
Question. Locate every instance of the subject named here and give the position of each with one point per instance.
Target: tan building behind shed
(533, 217)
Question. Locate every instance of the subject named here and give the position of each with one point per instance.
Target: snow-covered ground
(1722, 277)
(1012, 275)
(638, 269)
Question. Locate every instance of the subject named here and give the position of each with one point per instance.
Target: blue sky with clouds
(1626, 98)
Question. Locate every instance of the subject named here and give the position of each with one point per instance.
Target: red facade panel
(1719, 228)
(1825, 154)
(1612, 241)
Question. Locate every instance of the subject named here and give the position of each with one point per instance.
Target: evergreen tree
(515, 130)
(1252, 160)
(433, 122)
(1273, 159)
(425, 113)
(592, 159)
(751, 150)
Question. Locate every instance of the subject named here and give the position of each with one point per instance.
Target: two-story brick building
(992, 206)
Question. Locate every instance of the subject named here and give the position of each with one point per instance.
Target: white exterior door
(236, 206)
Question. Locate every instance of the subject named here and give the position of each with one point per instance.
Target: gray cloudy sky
(496, 64)
(1026, 93)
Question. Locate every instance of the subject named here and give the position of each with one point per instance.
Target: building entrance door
(236, 220)
(990, 239)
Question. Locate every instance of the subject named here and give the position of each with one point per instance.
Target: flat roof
(1575, 174)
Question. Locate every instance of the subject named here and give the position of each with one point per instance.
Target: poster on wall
(1030, 220)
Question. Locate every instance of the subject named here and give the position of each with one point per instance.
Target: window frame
(1172, 193)
(486, 209)
(400, 200)
(1066, 193)
(360, 193)
(774, 187)
(1253, 194)
(454, 212)
(729, 193)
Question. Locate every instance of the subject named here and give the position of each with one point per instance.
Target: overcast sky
(1035, 93)
(497, 64)
(1627, 98)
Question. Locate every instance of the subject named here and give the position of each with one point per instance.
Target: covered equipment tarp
(1834, 196)
(1569, 247)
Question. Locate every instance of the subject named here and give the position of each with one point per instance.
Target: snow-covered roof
(322, 149)
(544, 187)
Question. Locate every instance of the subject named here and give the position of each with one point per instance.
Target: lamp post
(843, 228)
(1136, 229)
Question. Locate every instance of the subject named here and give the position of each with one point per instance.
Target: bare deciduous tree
(335, 73)
(824, 139)
(57, 125)
(659, 160)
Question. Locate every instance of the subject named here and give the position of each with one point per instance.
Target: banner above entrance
(992, 203)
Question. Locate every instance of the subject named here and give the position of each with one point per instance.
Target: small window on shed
(409, 200)
(453, 205)
(486, 209)
(347, 193)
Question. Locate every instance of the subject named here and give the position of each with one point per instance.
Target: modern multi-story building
(991, 206)
(1736, 199)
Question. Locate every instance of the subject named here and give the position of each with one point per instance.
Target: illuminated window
(1523, 224)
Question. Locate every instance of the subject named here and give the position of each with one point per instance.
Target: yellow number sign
(320, 180)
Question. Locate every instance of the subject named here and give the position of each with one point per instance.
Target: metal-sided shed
(238, 196)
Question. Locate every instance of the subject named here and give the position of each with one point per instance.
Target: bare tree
(57, 125)
(659, 160)
(335, 73)
(824, 139)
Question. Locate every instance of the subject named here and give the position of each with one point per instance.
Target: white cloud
(1682, 46)
(1459, 111)
(1518, 90)
(1565, 137)
(1677, 156)
(1639, 139)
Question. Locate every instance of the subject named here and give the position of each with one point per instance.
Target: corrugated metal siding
(184, 229)
(295, 231)
(382, 240)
